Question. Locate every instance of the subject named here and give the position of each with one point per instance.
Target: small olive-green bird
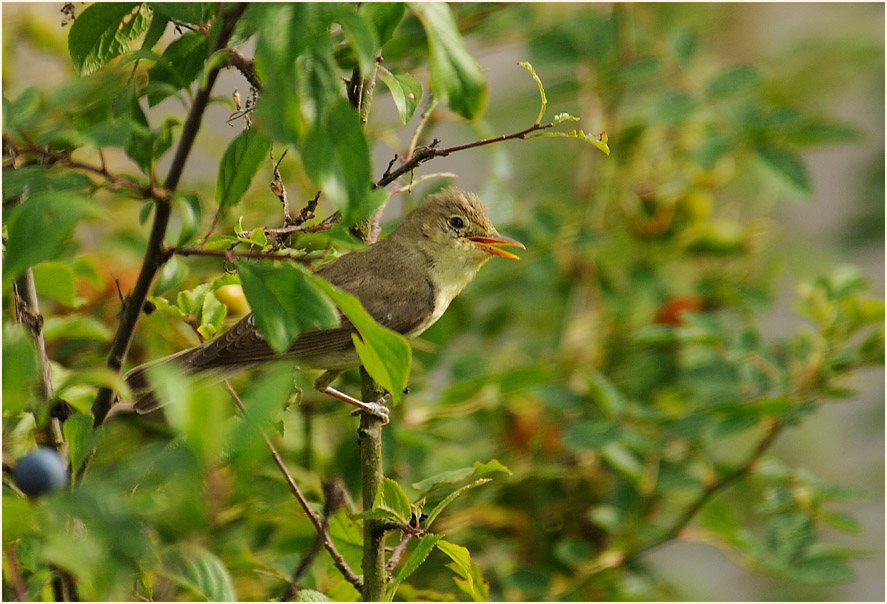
(405, 282)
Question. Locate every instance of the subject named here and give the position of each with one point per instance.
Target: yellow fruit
(232, 297)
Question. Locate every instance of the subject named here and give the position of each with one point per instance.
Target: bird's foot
(376, 409)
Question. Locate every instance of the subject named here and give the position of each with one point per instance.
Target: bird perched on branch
(405, 282)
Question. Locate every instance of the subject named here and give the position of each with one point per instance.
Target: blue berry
(40, 471)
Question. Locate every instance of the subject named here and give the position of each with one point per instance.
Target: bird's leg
(376, 408)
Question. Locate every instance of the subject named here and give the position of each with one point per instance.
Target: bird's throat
(449, 275)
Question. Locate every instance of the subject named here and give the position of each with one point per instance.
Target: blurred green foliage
(612, 392)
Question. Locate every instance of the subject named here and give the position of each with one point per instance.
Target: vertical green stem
(369, 438)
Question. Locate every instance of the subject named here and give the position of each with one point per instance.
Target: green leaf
(406, 90)
(456, 77)
(99, 376)
(361, 36)
(103, 31)
(471, 581)
(20, 519)
(199, 570)
(56, 280)
(21, 370)
(336, 156)
(604, 393)
(564, 117)
(194, 13)
(417, 557)
(734, 80)
(787, 167)
(452, 476)
(590, 434)
(825, 568)
(386, 16)
(74, 327)
(841, 521)
(81, 438)
(311, 595)
(285, 30)
(34, 179)
(39, 228)
(392, 498)
(239, 164)
(197, 414)
(600, 142)
(145, 146)
(544, 103)
(178, 67)
(440, 507)
(190, 301)
(191, 215)
(212, 313)
(219, 242)
(285, 302)
(822, 132)
(171, 276)
(155, 30)
(623, 461)
(385, 354)
(265, 396)
(674, 107)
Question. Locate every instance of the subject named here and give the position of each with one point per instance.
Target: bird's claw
(375, 409)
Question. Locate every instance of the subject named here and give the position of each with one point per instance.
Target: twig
(278, 189)
(27, 312)
(246, 66)
(684, 519)
(423, 154)
(420, 128)
(15, 577)
(48, 157)
(307, 213)
(613, 559)
(313, 516)
(154, 253)
(231, 254)
(398, 552)
(326, 225)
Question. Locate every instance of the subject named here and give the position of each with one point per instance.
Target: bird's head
(455, 223)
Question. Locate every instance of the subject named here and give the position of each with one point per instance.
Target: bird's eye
(456, 222)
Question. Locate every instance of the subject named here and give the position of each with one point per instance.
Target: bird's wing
(396, 292)
(243, 344)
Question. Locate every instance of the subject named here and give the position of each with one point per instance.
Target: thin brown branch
(49, 157)
(307, 213)
(231, 254)
(723, 482)
(398, 552)
(154, 254)
(423, 154)
(612, 559)
(15, 577)
(246, 67)
(313, 516)
(27, 312)
(424, 121)
(311, 228)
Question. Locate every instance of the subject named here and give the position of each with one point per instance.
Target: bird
(405, 282)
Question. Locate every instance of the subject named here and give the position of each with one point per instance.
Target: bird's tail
(145, 401)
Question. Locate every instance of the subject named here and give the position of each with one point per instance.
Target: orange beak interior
(487, 243)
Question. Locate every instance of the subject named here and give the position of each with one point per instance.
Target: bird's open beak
(487, 243)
